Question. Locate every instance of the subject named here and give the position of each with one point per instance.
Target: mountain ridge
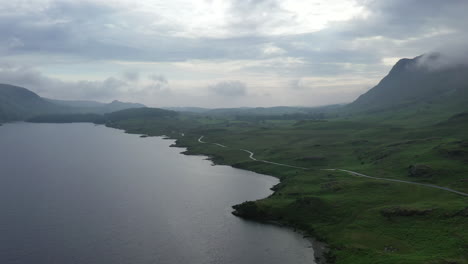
(18, 103)
(87, 106)
(422, 79)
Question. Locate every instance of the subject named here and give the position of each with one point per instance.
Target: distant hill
(141, 113)
(262, 111)
(17, 103)
(77, 103)
(424, 79)
(276, 110)
(188, 109)
(118, 106)
(96, 107)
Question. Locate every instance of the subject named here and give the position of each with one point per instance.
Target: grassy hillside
(363, 220)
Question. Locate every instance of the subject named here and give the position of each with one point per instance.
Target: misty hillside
(96, 107)
(17, 103)
(278, 110)
(141, 113)
(118, 106)
(254, 111)
(144, 113)
(76, 103)
(424, 79)
(188, 109)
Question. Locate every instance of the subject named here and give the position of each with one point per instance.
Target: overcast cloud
(220, 53)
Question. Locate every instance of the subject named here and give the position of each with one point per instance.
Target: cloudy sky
(219, 53)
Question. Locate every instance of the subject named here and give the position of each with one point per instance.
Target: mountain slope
(17, 103)
(118, 106)
(144, 113)
(96, 107)
(424, 79)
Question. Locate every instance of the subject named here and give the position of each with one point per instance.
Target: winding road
(357, 174)
(402, 181)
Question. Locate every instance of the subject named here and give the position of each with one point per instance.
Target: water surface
(80, 193)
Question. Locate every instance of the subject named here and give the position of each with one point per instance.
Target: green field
(362, 220)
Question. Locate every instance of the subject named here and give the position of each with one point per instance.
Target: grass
(363, 220)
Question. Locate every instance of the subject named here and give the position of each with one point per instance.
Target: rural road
(251, 156)
(395, 180)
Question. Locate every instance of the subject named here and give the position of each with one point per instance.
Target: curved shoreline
(260, 188)
(190, 144)
(320, 248)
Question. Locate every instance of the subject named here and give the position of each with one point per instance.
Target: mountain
(96, 107)
(427, 79)
(17, 103)
(118, 105)
(269, 111)
(144, 113)
(76, 103)
(187, 109)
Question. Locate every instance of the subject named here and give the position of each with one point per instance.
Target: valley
(412, 208)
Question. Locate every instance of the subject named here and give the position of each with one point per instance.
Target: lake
(80, 193)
